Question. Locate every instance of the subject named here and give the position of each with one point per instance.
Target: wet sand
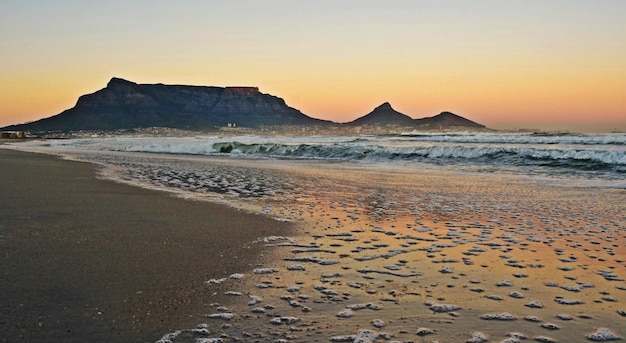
(390, 254)
(387, 255)
(85, 259)
(394, 254)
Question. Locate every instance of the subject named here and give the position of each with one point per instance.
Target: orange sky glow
(535, 64)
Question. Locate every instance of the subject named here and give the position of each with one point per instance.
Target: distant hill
(125, 105)
(383, 115)
(446, 120)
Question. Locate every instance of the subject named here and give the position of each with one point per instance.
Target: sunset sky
(549, 64)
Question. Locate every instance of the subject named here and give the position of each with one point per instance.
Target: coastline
(90, 259)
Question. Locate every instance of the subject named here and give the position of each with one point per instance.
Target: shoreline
(394, 250)
(91, 259)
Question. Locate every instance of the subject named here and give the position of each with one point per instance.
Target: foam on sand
(419, 253)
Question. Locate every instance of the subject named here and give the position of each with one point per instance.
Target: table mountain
(124, 104)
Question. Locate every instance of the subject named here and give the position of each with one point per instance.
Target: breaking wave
(519, 138)
(558, 152)
(437, 153)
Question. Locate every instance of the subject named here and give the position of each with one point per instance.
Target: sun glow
(503, 65)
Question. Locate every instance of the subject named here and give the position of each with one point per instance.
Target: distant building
(12, 134)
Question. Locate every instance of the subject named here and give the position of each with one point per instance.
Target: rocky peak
(384, 106)
(383, 115)
(117, 82)
(117, 92)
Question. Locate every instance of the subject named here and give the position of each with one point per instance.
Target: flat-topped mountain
(124, 104)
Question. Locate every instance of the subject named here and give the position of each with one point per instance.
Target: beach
(85, 259)
(371, 251)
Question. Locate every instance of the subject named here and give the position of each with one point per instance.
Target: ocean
(561, 156)
(452, 237)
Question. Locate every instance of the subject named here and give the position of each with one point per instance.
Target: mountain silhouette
(124, 104)
(383, 115)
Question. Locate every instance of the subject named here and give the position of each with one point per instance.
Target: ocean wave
(489, 152)
(518, 138)
(508, 155)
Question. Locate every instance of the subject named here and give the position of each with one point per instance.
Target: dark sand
(84, 259)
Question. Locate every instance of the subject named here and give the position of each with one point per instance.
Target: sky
(548, 64)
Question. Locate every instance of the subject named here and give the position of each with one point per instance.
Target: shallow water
(379, 247)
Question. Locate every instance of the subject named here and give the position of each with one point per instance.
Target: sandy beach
(374, 252)
(90, 260)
